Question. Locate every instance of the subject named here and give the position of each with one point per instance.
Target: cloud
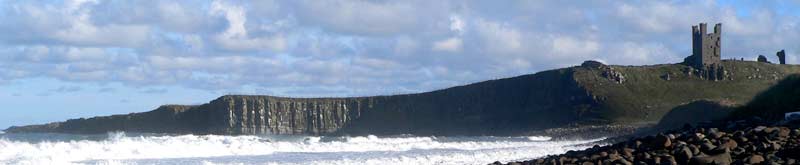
(67, 24)
(106, 90)
(571, 47)
(67, 89)
(346, 48)
(630, 53)
(449, 45)
(360, 17)
(236, 37)
(155, 91)
(498, 37)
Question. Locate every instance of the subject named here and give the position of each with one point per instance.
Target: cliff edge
(587, 95)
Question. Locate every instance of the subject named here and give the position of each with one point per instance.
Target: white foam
(214, 149)
(312, 139)
(539, 138)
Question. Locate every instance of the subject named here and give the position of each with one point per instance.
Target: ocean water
(122, 148)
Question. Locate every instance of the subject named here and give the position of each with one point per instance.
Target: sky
(84, 58)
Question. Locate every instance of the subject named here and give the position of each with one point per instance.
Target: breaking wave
(119, 148)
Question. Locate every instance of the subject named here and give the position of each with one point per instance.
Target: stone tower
(782, 56)
(705, 47)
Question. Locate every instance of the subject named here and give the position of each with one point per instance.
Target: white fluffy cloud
(315, 48)
(236, 37)
(360, 17)
(571, 47)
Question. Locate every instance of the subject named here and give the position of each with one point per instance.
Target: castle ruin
(706, 56)
(705, 47)
(782, 56)
(762, 58)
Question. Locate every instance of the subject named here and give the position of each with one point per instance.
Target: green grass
(773, 103)
(645, 96)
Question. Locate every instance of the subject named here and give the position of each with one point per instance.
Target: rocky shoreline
(589, 131)
(734, 142)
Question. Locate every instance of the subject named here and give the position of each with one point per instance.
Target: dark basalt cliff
(593, 94)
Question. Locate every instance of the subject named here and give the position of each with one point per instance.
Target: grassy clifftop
(647, 94)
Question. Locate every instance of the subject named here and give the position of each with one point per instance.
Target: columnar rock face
(274, 115)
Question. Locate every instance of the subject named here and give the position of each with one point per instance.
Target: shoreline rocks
(736, 143)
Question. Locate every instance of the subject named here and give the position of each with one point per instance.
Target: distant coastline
(555, 102)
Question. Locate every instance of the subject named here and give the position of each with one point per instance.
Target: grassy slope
(646, 97)
(773, 103)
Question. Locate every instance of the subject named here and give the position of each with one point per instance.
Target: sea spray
(539, 138)
(122, 148)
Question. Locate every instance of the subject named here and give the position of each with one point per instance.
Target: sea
(136, 148)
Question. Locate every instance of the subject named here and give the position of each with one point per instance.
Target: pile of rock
(607, 71)
(743, 145)
(614, 75)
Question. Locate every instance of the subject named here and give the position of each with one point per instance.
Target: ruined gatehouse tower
(705, 47)
(781, 56)
(706, 55)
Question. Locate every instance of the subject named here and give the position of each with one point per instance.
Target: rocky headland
(592, 97)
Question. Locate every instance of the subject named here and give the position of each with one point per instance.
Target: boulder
(784, 132)
(707, 146)
(728, 144)
(754, 159)
(722, 158)
(683, 155)
(623, 162)
(759, 128)
(627, 152)
(769, 130)
(775, 146)
(715, 134)
(661, 142)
